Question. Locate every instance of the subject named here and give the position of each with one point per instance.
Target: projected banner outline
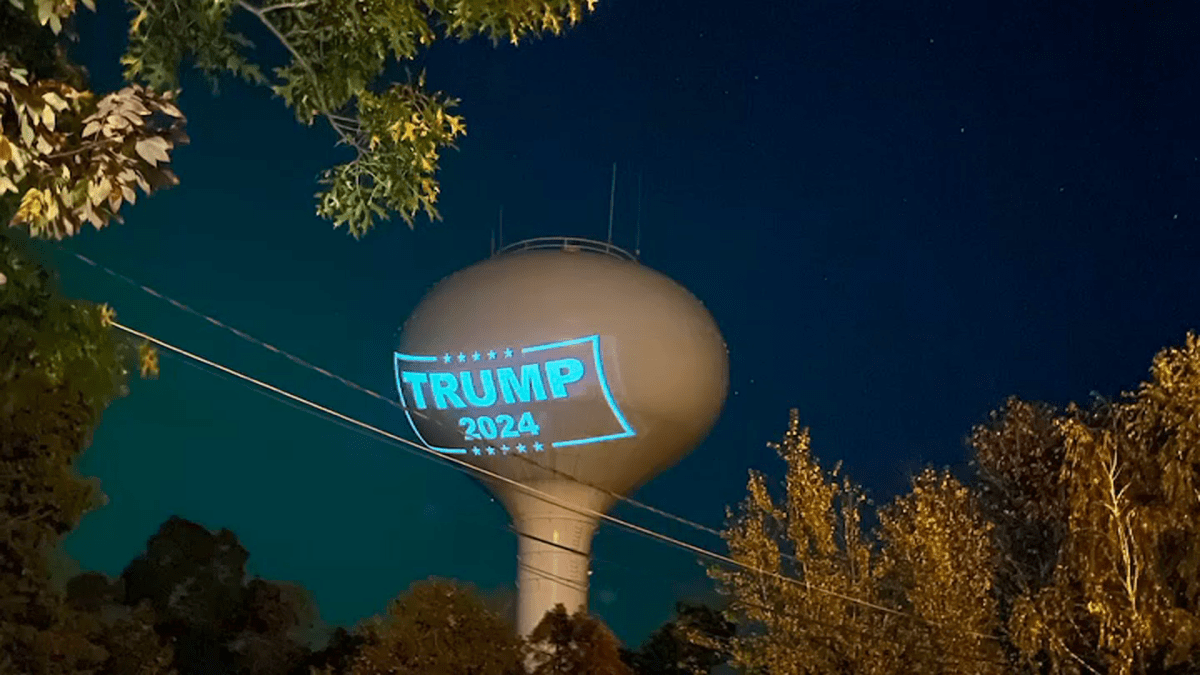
(505, 400)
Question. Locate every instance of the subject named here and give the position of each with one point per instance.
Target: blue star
(461, 357)
(520, 447)
(491, 450)
(475, 356)
(491, 354)
(446, 358)
(537, 447)
(504, 449)
(475, 450)
(507, 353)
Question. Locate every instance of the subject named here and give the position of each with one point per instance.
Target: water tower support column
(553, 550)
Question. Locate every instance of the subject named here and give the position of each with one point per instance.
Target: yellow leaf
(107, 315)
(153, 150)
(137, 21)
(99, 190)
(148, 360)
(54, 100)
(48, 117)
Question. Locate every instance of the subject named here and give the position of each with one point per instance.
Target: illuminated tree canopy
(1073, 550)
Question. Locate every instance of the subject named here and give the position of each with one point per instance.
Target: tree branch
(288, 5)
(82, 148)
(322, 108)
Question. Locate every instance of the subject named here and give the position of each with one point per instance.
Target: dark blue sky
(899, 214)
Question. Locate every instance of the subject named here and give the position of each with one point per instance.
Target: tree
(436, 628)
(574, 644)
(86, 164)
(1104, 573)
(822, 597)
(195, 581)
(62, 366)
(685, 644)
(938, 558)
(67, 157)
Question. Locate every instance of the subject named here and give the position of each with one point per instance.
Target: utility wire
(544, 496)
(593, 559)
(392, 402)
(431, 454)
(373, 394)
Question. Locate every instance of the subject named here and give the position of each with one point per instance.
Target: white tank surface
(565, 365)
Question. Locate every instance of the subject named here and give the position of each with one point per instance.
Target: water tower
(566, 365)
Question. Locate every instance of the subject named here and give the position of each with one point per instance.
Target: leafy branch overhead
(73, 159)
(337, 53)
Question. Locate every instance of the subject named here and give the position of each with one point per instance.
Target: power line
(373, 394)
(593, 559)
(392, 402)
(431, 454)
(539, 494)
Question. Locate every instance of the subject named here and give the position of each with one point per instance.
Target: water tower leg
(554, 549)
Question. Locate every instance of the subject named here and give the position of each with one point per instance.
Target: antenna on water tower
(637, 242)
(498, 244)
(611, 196)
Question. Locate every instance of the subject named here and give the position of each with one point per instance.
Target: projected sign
(502, 400)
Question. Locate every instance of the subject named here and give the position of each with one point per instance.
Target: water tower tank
(566, 365)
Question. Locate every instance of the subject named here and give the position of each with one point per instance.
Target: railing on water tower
(569, 244)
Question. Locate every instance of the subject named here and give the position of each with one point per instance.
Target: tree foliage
(436, 628)
(830, 599)
(75, 160)
(1073, 551)
(62, 366)
(195, 582)
(684, 645)
(71, 170)
(68, 157)
(1105, 571)
(573, 644)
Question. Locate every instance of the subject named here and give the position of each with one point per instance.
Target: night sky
(899, 213)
